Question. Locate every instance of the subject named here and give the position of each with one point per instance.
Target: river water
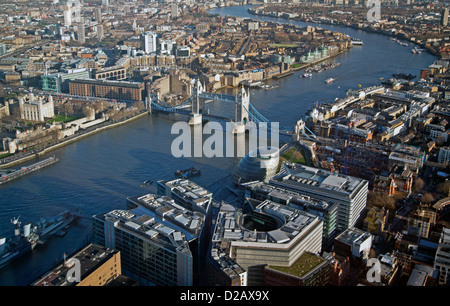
(98, 173)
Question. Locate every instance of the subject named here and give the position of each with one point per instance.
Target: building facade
(149, 42)
(117, 90)
(350, 193)
(158, 240)
(442, 258)
(326, 211)
(444, 155)
(272, 234)
(60, 82)
(353, 243)
(97, 266)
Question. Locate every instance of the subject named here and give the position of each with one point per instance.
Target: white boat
(357, 42)
(329, 80)
(416, 51)
(269, 87)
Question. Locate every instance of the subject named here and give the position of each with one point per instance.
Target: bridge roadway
(182, 108)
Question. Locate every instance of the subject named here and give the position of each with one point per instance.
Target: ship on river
(5, 178)
(32, 235)
(187, 173)
(48, 227)
(20, 244)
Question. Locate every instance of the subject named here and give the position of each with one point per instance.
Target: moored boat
(20, 244)
(187, 172)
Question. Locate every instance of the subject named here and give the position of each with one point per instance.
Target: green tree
(444, 188)
(427, 198)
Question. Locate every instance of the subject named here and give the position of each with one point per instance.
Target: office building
(444, 17)
(67, 16)
(353, 243)
(100, 32)
(114, 73)
(187, 194)
(3, 49)
(421, 275)
(167, 46)
(116, 90)
(326, 211)
(350, 193)
(81, 32)
(183, 51)
(149, 42)
(422, 221)
(158, 240)
(192, 223)
(174, 10)
(98, 266)
(442, 258)
(98, 14)
(444, 155)
(59, 82)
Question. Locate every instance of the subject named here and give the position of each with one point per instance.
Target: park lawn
(63, 119)
(292, 155)
(288, 154)
(297, 65)
(298, 158)
(6, 155)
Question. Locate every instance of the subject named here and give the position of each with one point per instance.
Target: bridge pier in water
(244, 111)
(196, 116)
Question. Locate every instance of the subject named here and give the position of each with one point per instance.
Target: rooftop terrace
(304, 264)
(304, 176)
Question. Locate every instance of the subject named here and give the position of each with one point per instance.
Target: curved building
(269, 234)
(257, 165)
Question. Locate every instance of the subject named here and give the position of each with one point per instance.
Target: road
(25, 48)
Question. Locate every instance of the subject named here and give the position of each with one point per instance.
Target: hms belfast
(19, 244)
(33, 235)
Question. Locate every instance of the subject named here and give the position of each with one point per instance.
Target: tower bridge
(245, 112)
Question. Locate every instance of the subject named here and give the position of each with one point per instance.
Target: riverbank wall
(69, 141)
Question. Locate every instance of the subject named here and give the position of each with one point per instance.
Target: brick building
(117, 90)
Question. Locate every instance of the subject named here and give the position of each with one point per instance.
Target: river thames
(98, 173)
